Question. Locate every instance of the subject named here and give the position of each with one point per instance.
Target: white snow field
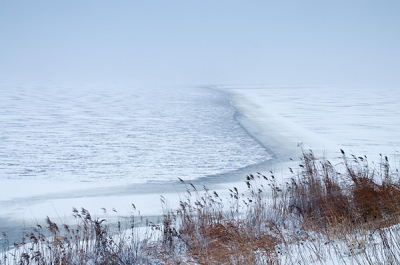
(360, 120)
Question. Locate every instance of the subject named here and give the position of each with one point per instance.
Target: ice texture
(120, 134)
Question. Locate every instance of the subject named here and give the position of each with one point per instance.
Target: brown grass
(348, 213)
(318, 204)
(358, 197)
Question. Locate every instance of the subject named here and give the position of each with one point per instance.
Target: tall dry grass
(343, 214)
(88, 241)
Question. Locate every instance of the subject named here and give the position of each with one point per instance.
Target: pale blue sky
(200, 42)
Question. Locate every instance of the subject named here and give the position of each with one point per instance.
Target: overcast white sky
(200, 42)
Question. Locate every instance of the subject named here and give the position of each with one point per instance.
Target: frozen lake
(98, 146)
(94, 147)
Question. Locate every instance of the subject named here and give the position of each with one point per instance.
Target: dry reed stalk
(321, 214)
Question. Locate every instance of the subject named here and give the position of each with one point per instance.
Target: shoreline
(281, 135)
(56, 199)
(262, 112)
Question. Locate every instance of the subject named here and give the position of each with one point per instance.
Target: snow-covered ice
(110, 146)
(361, 120)
(357, 119)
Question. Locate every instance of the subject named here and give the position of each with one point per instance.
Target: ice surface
(120, 135)
(360, 120)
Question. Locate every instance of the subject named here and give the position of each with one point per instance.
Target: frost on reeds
(323, 214)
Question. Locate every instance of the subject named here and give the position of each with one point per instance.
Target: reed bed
(323, 214)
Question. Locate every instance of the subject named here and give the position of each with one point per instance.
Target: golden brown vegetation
(347, 213)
